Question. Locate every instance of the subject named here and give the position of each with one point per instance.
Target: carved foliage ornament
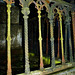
(25, 3)
(9, 1)
(39, 4)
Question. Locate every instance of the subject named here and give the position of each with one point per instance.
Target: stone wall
(14, 14)
(16, 29)
(16, 36)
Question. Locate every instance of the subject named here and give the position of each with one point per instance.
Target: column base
(42, 68)
(63, 61)
(9, 73)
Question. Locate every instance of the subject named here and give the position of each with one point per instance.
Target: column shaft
(9, 70)
(60, 18)
(52, 44)
(47, 38)
(66, 43)
(25, 11)
(40, 40)
(58, 39)
(73, 25)
(70, 43)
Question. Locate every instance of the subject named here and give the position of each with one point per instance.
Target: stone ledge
(51, 70)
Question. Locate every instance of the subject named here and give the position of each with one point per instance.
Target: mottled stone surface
(14, 14)
(2, 36)
(16, 29)
(2, 13)
(16, 36)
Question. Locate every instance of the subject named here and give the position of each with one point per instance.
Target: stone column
(66, 42)
(58, 55)
(47, 37)
(73, 25)
(51, 16)
(9, 70)
(25, 11)
(40, 40)
(52, 44)
(62, 48)
(69, 33)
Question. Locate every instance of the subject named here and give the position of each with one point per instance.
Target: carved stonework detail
(25, 11)
(51, 16)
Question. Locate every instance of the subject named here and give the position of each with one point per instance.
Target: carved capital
(39, 11)
(39, 14)
(60, 15)
(68, 19)
(73, 13)
(25, 17)
(9, 1)
(51, 16)
(25, 10)
(8, 6)
(51, 20)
